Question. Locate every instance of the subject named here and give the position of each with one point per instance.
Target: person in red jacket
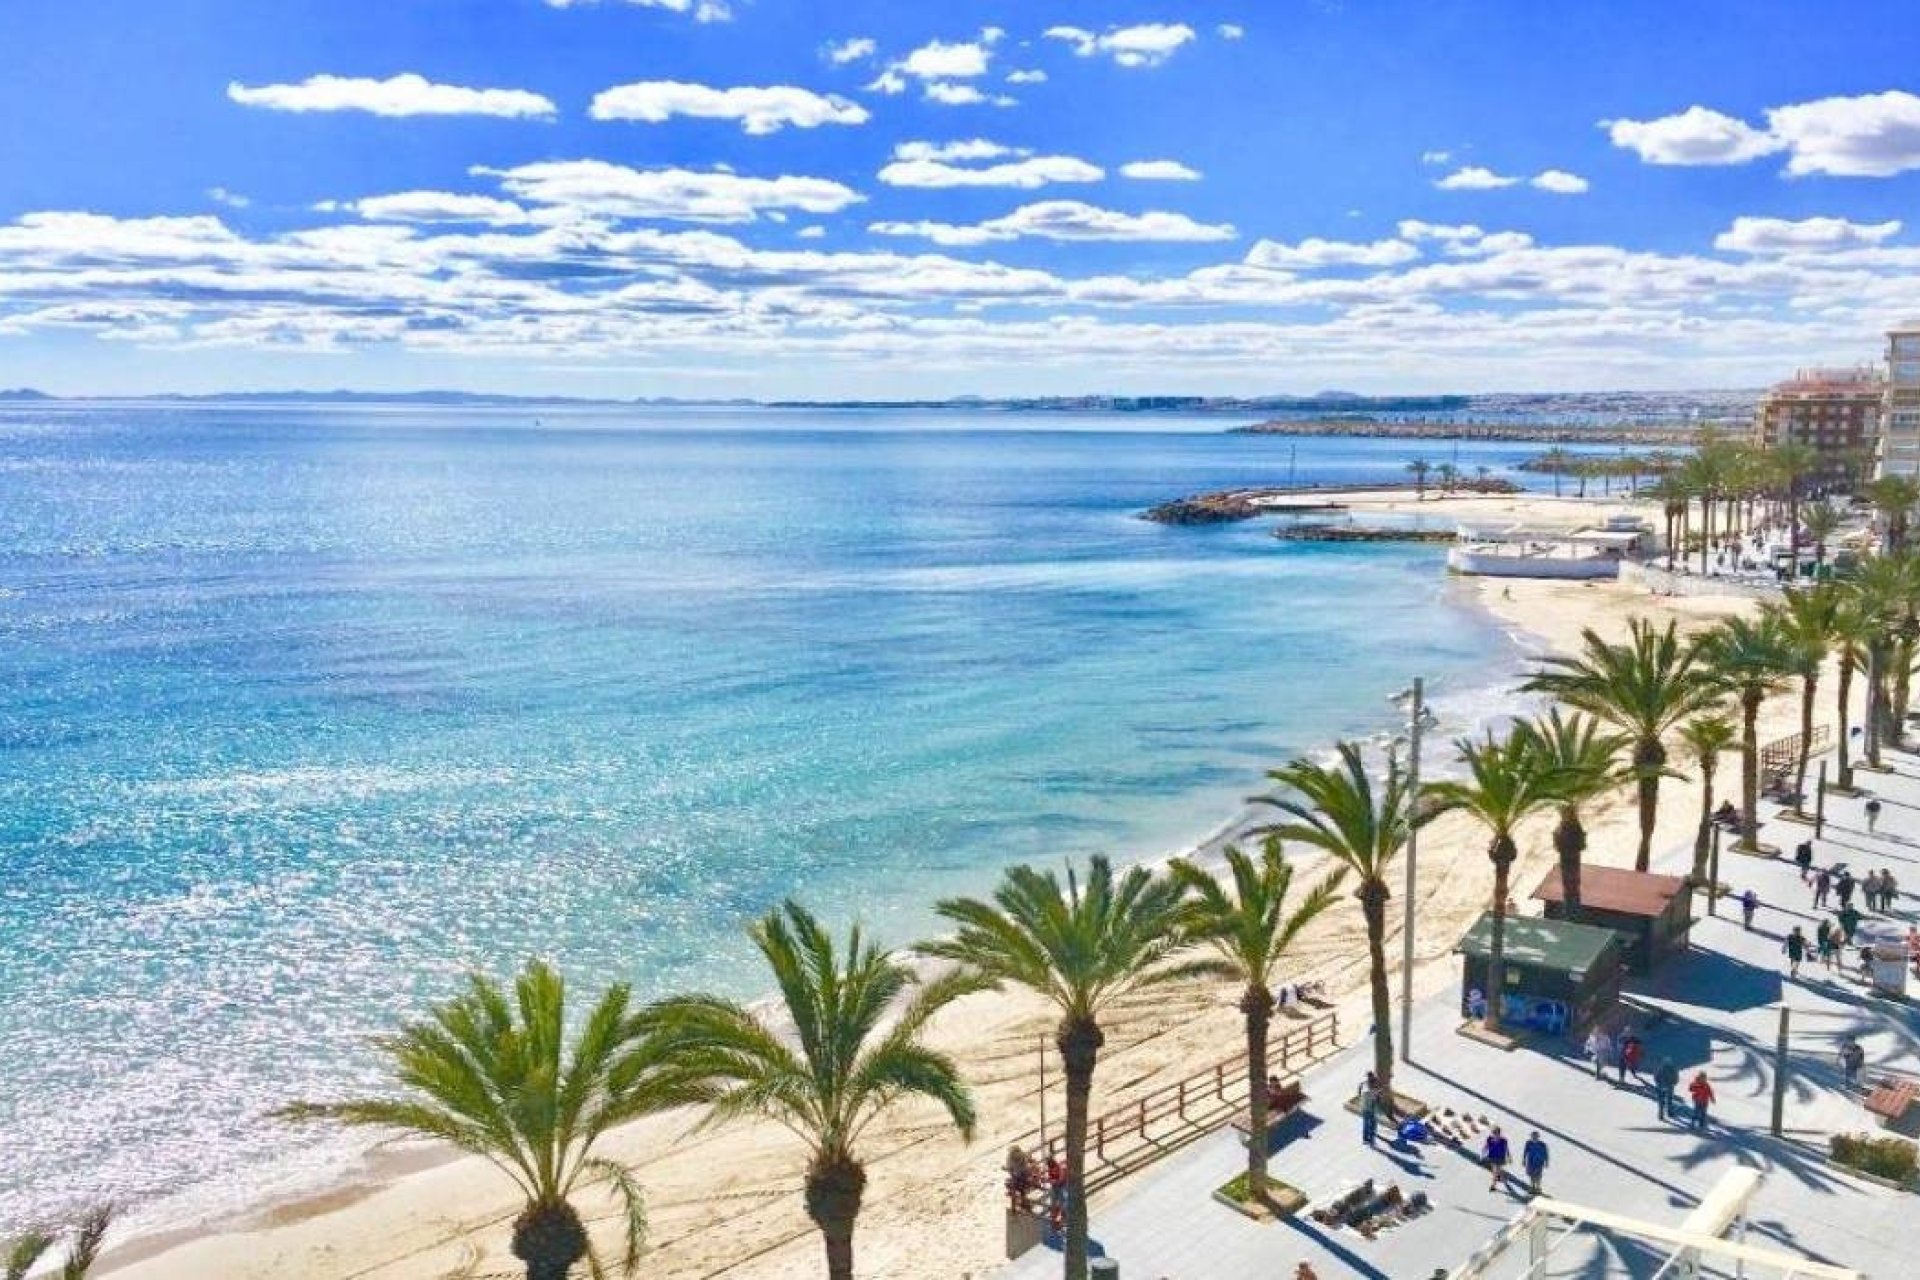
(1701, 1091)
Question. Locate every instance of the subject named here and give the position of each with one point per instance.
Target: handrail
(1132, 1135)
(1783, 754)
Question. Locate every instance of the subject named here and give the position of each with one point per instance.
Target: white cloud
(401, 95)
(1027, 172)
(1314, 252)
(815, 232)
(702, 10)
(759, 110)
(1474, 178)
(1033, 76)
(949, 94)
(1875, 135)
(1230, 31)
(1559, 182)
(1070, 220)
(596, 186)
(938, 60)
(1159, 171)
(231, 199)
(1696, 136)
(1435, 157)
(435, 206)
(888, 82)
(1445, 232)
(1462, 239)
(852, 49)
(967, 149)
(1808, 235)
(1146, 45)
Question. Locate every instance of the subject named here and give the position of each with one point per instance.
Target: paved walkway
(1716, 1008)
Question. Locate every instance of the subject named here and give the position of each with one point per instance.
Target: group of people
(1627, 1054)
(1496, 1153)
(1028, 1176)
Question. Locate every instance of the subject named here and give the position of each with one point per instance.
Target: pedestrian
(1533, 1158)
(1889, 889)
(1599, 1048)
(1827, 942)
(1369, 1109)
(1803, 858)
(1749, 903)
(1843, 887)
(1796, 949)
(1496, 1155)
(1873, 815)
(1700, 1089)
(1666, 1078)
(1849, 919)
(1305, 1271)
(1632, 1049)
(1822, 886)
(1852, 1059)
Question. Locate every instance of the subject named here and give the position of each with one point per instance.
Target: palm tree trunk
(834, 1188)
(1649, 757)
(1750, 769)
(1809, 685)
(1703, 836)
(549, 1238)
(1256, 1004)
(1373, 909)
(1079, 1043)
(1902, 687)
(1845, 749)
(1502, 853)
(1876, 699)
(1706, 528)
(1570, 842)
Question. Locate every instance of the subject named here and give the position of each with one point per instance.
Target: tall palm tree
(1506, 783)
(1750, 658)
(842, 1067)
(1579, 755)
(19, 1255)
(1708, 737)
(1854, 628)
(1893, 499)
(1822, 521)
(1809, 617)
(492, 1072)
(1250, 930)
(1338, 810)
(1082, 948)
(1790, 464)
(1887, 593)
(1643, 687)
(1419, 469)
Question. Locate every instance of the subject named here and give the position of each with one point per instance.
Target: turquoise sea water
(302, 714)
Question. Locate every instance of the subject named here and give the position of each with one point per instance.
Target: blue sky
(855, 198)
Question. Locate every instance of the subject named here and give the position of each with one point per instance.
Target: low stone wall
(1661, 583)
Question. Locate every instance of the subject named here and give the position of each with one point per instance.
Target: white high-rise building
(1900, 422)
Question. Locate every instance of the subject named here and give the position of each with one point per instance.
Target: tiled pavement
(1609, 1148)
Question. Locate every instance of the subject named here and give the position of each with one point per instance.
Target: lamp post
(1416, 716)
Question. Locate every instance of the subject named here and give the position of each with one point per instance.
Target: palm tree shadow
(1354, 1263)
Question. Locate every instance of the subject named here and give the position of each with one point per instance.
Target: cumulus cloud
(1314, 252)
(852, 49)
(1147, 44)
(1063, 220)
(1029, 76)
(402, 95)
(1159, 171)
(1474, 178)
(1807, 235)
(701, 10)
(1559, 182)
(950, 94)
(434, 206)
(759, 110)
(939, 60)
(1875, 135)
(955, 164)
(1462, 239)
(1696, 136)
(964, 149)
(597, 186)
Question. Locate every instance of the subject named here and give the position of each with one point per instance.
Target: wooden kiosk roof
(1616, 889)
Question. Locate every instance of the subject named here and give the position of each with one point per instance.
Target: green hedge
(1892, 1158)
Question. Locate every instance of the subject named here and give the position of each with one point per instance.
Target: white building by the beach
(1900, 423)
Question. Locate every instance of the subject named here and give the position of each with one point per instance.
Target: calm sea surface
(303, 714)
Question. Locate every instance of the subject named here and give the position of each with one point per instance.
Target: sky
(848, 199)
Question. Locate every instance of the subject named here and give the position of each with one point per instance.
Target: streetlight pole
(1419, 711)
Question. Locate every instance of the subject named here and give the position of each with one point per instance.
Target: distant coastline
(1523, 432)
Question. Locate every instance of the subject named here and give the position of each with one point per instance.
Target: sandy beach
(726, 1202)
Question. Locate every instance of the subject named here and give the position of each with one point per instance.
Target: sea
(306, 713)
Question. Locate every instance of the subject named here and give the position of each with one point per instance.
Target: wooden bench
(1288, 1101)
(1891, 1098)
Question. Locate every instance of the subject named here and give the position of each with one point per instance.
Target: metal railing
(1778, 758)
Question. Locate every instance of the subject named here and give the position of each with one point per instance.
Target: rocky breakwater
(1207, 508)
(1358, 533)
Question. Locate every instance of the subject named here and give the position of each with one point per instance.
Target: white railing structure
(1546, 1225)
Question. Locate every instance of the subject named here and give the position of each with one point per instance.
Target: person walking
(1533, 1158)
(1632, 1050)
(1827, 942)
(1873, 815)
(1889, 889)
(1822, 887)
(1852, 1059)
(1796, 949)
(1749, 903)
(1849, 918)
(1666, 1078)
(1803, 858)
(1496, 1155)
(1700, 1089)
(1600, 1049)
(1369, 1109)
(1843, 886)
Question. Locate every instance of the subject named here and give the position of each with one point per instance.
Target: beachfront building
(1834, 412)
(1900, 428)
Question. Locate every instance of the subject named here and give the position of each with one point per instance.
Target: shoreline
(412, 1209)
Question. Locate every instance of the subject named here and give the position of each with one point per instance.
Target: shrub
(1894, 1159)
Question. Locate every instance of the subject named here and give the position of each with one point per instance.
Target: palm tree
(1822, 520)
(1448, 474)
(1250, 931)
(1894, 498)
(1790, 464)
(1336, 809)
(1642, 687)
(1082, 948)
(19, 1255)
(1887, 592)
(1507, 782)
(1808, 617)
(1420, 469)
(1554, 463)
(1854, 629)
(841, 1068)
(1579, 756)
(490, 1071)
(1750, 658)
(1707, 738)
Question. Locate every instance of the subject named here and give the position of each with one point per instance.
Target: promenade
(1716, 1008)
